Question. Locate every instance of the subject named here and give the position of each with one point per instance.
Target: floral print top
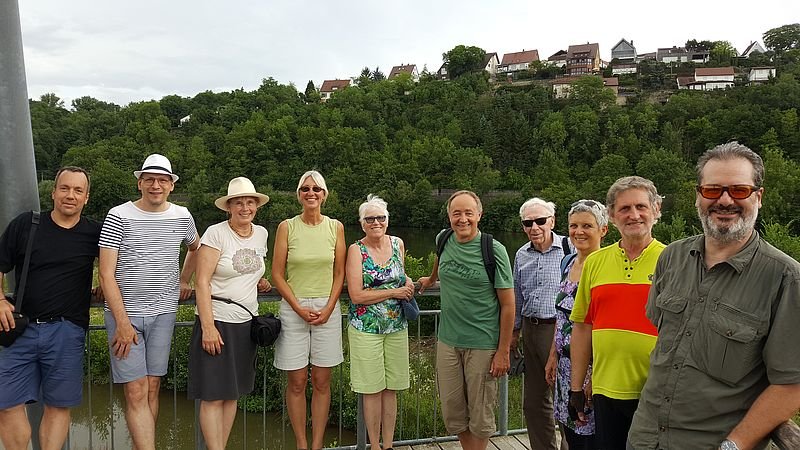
(565, 299)
(387, 316)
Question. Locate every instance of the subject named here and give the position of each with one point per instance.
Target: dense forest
(407, 140)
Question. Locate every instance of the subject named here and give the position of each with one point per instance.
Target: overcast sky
(146, 49)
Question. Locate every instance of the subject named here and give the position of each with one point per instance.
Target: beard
(729, 232)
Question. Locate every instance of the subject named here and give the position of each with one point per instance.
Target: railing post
(503, 407)
(361, 426)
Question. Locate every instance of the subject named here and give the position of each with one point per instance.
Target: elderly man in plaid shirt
(537, 276)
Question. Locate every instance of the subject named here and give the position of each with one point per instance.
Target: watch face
(727, 444)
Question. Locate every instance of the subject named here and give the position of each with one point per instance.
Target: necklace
(240, 234)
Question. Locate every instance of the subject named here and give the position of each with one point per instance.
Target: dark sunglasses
(372, 219)
(527, 223)
(736, 191)
(589, 203)
(309, 188)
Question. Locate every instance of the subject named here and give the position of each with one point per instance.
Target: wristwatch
(728, 444)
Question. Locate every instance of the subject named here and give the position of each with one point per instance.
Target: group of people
(635, 345)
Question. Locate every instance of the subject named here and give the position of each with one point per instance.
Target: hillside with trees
(406, 140)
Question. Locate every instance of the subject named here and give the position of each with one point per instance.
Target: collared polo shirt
(611, 298)
(537, 276)
(724, 335)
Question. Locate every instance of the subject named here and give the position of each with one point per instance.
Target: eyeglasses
(372, 219)
(152, 181)
(589, 203)
(736, 191)
(316, 189)
(527, 223)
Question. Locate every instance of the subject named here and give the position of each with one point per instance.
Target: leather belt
(538, 321)
(48, 319)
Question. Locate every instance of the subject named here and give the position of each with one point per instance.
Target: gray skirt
(226, 376)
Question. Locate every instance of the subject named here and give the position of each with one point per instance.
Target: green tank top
(309, 263)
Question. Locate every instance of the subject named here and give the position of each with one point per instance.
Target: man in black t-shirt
(46, 362)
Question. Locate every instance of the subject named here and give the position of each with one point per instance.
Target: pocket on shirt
(670, 323)
(729, 346)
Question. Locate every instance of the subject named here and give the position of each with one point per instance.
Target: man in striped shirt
(139, 273)
(609, 314)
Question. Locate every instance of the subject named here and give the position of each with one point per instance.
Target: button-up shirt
(536, 280)
(724, 335)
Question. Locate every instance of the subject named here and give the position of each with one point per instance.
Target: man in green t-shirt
(475, 326)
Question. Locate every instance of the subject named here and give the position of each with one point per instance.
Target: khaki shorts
(300, 343)
(378, 361)
(467, 390)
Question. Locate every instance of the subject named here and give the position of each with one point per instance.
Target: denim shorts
(46, 360)
(150, 357)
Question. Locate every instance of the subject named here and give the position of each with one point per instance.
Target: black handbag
(21, 320)
(264, 329)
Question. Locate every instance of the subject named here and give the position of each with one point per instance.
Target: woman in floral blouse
(588, 223)
(378, 331)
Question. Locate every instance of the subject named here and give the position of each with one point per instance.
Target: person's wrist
(728, 444)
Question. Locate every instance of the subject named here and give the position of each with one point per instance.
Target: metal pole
(17, 164)
(361, 426)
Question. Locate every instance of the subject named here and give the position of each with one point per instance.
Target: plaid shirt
(536, 280)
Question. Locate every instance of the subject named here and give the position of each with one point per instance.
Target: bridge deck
(515, 442)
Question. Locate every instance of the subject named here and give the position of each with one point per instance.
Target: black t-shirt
(60, 273)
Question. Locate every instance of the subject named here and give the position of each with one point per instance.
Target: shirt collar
(737, 261)
(556, 243)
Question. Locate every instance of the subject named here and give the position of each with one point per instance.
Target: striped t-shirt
(611, 297)
(148, 251)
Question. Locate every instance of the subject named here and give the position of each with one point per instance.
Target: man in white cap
(139, 273)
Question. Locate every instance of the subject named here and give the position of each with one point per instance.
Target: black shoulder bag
(264, 329)
(21, 320)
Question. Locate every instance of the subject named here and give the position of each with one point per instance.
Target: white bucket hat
(156, 163)
(240, 187)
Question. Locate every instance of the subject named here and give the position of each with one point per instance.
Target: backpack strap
(565, 245)
(487, 251)
(444, 235)
(565, 262)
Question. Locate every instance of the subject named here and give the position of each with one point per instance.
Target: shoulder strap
(442, 240)
(565, 261)
(487, 251)
(565, 245)
(24, 279)
(229, 301)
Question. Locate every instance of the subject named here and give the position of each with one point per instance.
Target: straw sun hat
(240, 187)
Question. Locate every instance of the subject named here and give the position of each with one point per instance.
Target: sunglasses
(527, 223)
(589, 203)
(311, 188)
(372, 219)
(736, 191)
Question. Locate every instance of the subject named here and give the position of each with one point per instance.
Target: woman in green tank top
(308, 268)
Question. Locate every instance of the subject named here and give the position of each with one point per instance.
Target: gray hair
(469, 193)
(317, 177)
(633, 182)
(373, 201)
(729, 151)
(595, 208)
(536, 201)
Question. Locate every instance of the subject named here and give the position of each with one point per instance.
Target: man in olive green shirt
(725, 371)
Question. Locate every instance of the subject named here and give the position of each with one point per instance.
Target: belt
(48, 319)
(538, 321)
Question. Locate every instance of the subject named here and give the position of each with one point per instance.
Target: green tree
(722, 52)
(783, 38)
(463, 59)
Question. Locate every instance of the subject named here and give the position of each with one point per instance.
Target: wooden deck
(515, 442)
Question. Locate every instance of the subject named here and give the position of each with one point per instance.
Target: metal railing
(787, 436)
